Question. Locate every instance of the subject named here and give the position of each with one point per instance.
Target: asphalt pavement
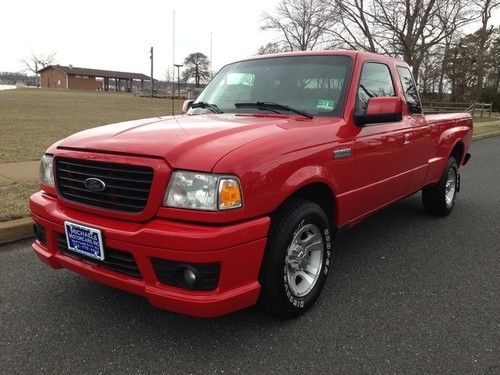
(407, 294)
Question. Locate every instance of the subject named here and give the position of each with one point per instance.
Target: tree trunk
(443, 68)
(483, 38)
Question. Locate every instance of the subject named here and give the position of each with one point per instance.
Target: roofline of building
(95, 72)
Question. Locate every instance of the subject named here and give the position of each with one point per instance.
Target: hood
(188, 142)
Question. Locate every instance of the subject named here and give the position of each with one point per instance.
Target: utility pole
(178, 66)
(152, 79)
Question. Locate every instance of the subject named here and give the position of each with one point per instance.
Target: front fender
(304, 176)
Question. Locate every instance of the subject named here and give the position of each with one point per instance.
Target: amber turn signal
(229, 193)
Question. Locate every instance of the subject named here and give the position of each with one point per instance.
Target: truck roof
(343, 52)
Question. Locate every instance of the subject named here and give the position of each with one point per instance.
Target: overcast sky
(117, 35)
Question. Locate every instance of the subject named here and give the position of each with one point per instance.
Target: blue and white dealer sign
(84, 240)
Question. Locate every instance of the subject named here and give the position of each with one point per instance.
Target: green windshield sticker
(325, 105)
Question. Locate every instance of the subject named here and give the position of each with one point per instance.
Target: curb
(15, 230)
(486, 135)
(20, 229)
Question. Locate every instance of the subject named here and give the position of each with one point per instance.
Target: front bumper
(237, 248)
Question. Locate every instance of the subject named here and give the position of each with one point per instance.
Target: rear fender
(445, 145)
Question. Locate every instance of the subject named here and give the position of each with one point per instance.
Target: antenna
(211, 54)
(152, 79)
(173, 60)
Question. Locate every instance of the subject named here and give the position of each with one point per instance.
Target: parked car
(238, 201)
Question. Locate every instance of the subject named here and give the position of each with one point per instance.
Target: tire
(439, 199)
(297, 259)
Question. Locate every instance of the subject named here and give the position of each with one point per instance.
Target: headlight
(202, 191)
(46, 170)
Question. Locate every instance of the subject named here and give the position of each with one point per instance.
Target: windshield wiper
(271, 106)
(212, 107)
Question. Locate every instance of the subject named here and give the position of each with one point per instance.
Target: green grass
(483, 125)
(14, 203)
(495, 116)
(488, 128)
(32, 119)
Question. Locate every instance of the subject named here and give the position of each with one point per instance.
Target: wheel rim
(304, 260)
(450, 188)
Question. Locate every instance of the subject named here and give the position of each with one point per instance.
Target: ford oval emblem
(94, 184)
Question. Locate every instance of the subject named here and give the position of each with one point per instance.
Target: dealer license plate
(84, 240)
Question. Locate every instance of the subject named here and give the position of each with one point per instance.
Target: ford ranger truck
(237, 201)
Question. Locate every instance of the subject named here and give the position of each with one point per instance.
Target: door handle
(407, 138)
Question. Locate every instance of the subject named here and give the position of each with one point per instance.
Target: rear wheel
(297, 259)
(439, 200)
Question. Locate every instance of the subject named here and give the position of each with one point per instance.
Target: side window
(410, 90)
(375, 81)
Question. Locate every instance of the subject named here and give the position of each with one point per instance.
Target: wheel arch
(458, 151)
(313, 185)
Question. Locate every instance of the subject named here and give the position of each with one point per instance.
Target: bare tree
(301, 23)
(357, 23)
(35, 62)
(196, 67)
(271, 47)
(485, 7)
(404, 28)
(415, 27)
(430, 71)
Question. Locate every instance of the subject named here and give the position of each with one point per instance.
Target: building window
(78, 76)
(59, 82)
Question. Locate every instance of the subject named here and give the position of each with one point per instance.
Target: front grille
(117, 260)
(127, 186)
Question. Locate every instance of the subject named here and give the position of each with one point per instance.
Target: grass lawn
(14, 202)
(483, 125)
(33, 119)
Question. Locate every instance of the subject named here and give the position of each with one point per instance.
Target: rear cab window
(409, 90)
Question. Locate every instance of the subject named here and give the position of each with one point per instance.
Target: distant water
(7, 87)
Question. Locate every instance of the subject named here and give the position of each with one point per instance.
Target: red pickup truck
(237, 201)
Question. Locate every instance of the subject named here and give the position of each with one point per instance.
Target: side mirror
(186, 105)
(382, 109)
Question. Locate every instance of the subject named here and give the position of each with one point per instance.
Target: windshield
(312, 84)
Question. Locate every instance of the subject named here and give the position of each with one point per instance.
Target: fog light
(189, 277)
(39, 233)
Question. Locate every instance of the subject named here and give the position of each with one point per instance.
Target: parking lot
(408, 293)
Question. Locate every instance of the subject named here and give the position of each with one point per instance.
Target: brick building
(70, 77)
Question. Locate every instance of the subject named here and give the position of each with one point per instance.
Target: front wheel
(297, 259)
(439, 200)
